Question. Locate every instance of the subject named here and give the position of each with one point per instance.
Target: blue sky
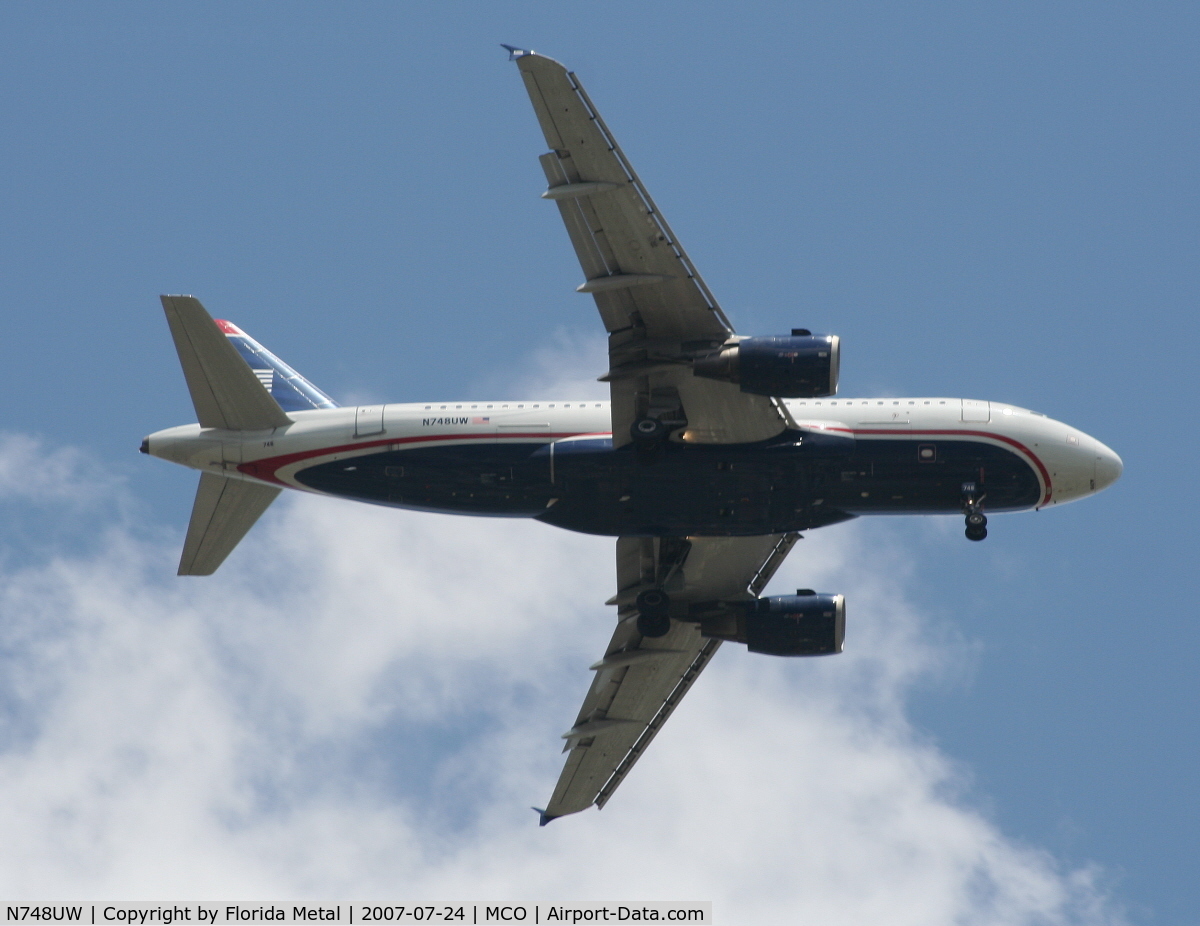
(985, 200)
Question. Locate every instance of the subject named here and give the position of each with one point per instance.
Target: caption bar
(220, 914)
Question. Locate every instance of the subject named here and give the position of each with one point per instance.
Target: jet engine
(804, 624)
(803, 366)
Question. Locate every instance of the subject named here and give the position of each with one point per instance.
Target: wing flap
(654, 304)
(224, 510)
(720, 413)
(635, 693)
(664, 711)
(640, 681)
(616, 230)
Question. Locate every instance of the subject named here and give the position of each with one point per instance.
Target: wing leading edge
(660, 316)
(640, 680)
(657, 309)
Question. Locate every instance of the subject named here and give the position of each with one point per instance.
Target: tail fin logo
(292, 391)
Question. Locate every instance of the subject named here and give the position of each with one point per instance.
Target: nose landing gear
(973, 509)
(653, 619)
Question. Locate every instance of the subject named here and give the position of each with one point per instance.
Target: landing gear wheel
(654, 624)
(973, 509)
(648, 431)
(653, 601)
(653, 619)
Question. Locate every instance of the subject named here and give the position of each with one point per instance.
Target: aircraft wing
(655, 306)
(641, 680)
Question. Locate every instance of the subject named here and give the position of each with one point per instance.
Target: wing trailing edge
(640, 681)
(224, 510)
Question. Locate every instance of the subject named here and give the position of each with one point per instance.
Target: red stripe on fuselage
(1000, 437)
(266, 468)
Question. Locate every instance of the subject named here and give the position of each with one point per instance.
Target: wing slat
(652, 301)
(625, 232)
(668, 706)
(640, 693)
(660, 316)
(633, 692)
(667, 236)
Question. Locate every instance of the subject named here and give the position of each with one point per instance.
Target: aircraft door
(976, 410)
(368, 420)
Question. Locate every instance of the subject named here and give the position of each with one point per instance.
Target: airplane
(712, 455)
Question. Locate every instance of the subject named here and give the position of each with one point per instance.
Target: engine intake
(797, 367)
(805, 624)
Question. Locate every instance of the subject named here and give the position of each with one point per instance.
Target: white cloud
(31, 471)
(365, 702)
(565, 368)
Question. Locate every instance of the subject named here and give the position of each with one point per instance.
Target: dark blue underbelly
(724, 490)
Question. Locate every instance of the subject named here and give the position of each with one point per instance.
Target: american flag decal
(480, 420)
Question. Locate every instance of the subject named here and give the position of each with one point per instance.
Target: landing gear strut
(653, 619)
(973, 509)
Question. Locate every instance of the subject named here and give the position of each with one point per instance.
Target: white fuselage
(1070, 464)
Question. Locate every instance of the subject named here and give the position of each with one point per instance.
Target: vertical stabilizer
(225, 509)
(292, 391)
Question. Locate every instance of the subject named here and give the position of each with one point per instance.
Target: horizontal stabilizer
(225, 509)
(226, 392)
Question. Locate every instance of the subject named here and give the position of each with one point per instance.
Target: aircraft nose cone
(1108, 468)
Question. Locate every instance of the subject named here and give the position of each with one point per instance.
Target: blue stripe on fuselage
(728, 489)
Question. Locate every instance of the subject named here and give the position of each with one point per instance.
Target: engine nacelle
(797, 367)
(804, 624)
(797, 625)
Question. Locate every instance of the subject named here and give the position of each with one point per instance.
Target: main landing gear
(653, 619)
(973, 509)
(649, 435)
(648, 431)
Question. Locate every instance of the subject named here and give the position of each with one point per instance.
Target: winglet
(543, 817)
(513, 54)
